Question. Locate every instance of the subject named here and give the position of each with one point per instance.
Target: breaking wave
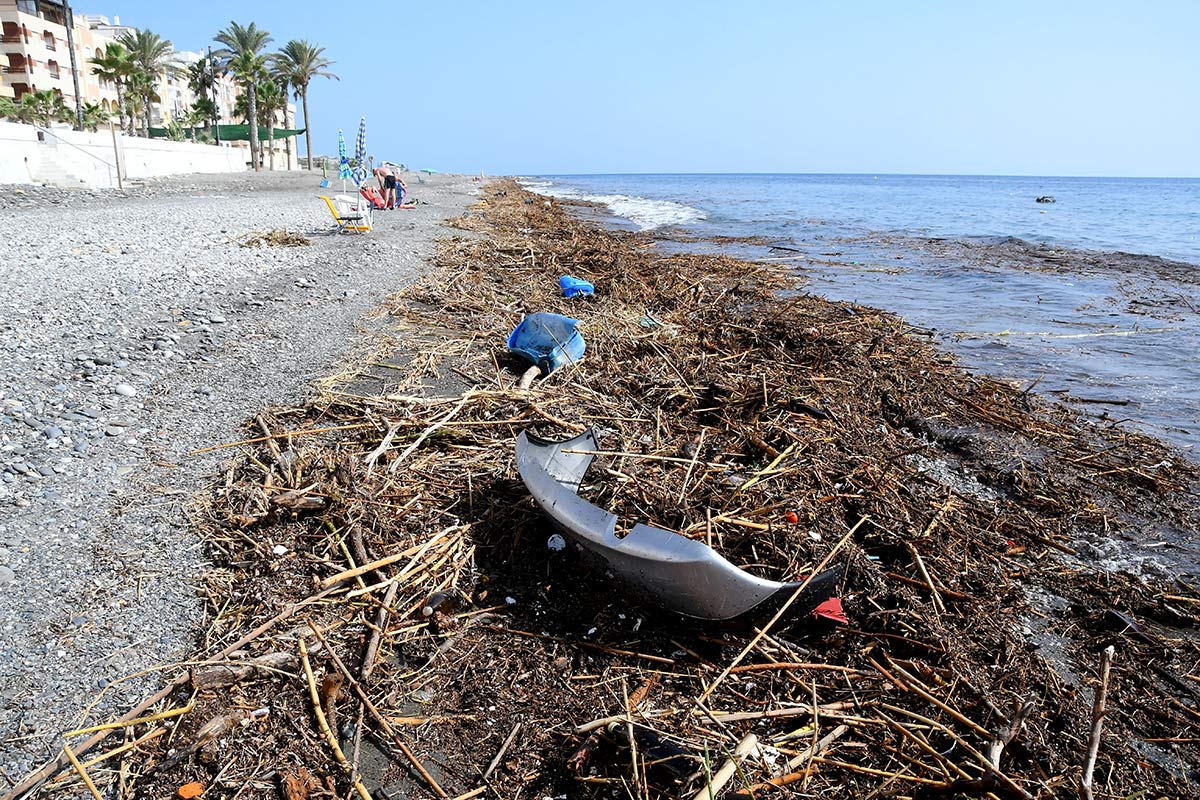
(641, 211)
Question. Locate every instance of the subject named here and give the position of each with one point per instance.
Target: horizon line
(862, 174)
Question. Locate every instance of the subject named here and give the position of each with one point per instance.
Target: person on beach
(401, 186)
(387, 185)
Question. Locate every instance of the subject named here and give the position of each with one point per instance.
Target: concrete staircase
(49, 173)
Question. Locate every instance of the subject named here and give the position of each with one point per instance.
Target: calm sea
(1096, 335)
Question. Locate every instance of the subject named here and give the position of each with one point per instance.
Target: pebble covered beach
(136, 328)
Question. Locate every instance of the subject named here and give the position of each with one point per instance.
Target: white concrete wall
(18, 145)
(72, 158)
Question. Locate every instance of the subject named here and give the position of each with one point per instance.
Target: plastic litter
(547, 340)
(573, 287)
(680, 574)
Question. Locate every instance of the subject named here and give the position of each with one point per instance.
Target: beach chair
(347, 217)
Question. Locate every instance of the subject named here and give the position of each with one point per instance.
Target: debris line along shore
(409, 629)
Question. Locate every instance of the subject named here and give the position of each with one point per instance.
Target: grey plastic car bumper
(681, 574)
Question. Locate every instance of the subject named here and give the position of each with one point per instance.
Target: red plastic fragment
(831, 610)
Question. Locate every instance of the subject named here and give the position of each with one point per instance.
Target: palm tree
(8, 109)
(153, 56)
(141, 96)
(242, 56)
(204, 111)
(272, 98)
(114, 66)
(94, 116)
(298, 63)
(41, 108)
(201, 80)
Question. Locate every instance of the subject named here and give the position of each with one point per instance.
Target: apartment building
(35, 55)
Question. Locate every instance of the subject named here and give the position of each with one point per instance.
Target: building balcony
(21, 70)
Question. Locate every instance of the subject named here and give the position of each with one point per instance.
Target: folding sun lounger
(347, 218)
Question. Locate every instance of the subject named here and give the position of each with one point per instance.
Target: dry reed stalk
(323, 723)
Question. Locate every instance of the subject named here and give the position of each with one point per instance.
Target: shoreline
(151, 290)
(995, 494)
(1109, 332)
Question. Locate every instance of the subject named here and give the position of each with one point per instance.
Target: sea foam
(641, 211)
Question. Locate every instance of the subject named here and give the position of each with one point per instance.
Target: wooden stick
(1085, 783)
(774, 665)
(116, 751)
(633, 749)
(1009, 732)
(87, 780)
(381, 619)
(917, 687)
(805, 756)
(831, 709)
(717, 782)
(43, 772)
(924, 745)
(466, 398)
(379, 718)
(644, 456)
(605, 722)
(778, 614)
(1014, 787)
(287, 435)
(798, 761)
(416, 551)
(937, 598)
(384, 445)
(175, 712)
(319, 712)
(500, 753)
(879, 772)
(528, 376)
(687, 476)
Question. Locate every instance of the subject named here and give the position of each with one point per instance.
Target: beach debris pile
(277, 237)
(391, 616)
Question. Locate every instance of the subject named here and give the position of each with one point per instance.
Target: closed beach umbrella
(343, 162)
(360, 152)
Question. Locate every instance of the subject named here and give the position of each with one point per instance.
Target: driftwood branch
(1009, 732)
(1089, 767)
(721, 777)
(393, 427)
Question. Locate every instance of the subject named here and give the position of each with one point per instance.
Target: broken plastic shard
(681, 574)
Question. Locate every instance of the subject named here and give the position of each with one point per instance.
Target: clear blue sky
(557, 86)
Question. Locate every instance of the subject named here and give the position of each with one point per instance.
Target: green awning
(232, 133)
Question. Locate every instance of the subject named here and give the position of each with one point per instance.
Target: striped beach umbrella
(360, 152)
(343, 162)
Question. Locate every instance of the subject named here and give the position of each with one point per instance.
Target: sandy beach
(135, 329)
